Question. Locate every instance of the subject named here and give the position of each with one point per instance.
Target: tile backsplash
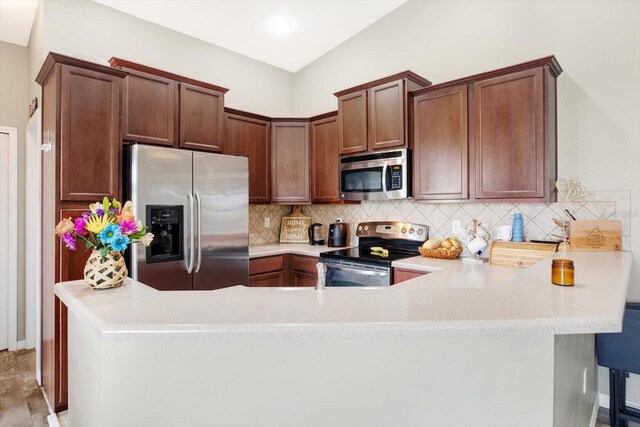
(538, 217)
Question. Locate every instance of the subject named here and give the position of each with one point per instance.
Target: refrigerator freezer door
(161, 185)
(221, 190)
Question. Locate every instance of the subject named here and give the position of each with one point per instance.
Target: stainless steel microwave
(383, 175)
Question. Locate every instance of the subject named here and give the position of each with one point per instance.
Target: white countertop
(458, 299)
(270, 249)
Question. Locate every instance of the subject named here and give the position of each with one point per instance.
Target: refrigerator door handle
(199, 232)
(191, 233)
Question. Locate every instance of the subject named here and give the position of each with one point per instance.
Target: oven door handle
(384, 179)
(364, 271)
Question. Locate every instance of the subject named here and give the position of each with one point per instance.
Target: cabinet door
(290, 163)
(387, 116)
(303, 270)
(352, 122)
(201, 118)
(509, 136)
(440, 145)
(149, 113)
(274, 278)
(325, 159)
(89, 135)
(401, 275)
(252, 137)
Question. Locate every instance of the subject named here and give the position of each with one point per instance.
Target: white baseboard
(53, 420)
(21, 345)
(594, 413)
(604, 401)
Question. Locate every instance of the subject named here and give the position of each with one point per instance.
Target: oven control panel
(393, 230)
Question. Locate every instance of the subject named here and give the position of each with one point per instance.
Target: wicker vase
(104, 273)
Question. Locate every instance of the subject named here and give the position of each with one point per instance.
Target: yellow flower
(96, 224)
(64, 226)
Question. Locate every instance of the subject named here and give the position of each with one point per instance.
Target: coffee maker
(337, 235)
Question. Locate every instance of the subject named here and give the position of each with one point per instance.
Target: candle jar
(562, 272)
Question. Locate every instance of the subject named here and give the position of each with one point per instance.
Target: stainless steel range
(367, 265)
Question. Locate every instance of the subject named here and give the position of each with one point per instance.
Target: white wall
(597, 43)
(84, 29)
(14, 91)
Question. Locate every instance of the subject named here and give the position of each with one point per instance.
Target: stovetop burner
(400, 239)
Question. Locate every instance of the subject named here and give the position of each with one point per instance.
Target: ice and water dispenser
(167, 225)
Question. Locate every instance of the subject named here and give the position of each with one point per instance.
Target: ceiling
(16, 19)
(245, 26)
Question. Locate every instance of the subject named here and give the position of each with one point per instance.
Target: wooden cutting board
(295, 227)
(599, 235)
(519, 254)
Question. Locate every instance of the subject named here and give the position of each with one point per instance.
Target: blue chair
(621, 354)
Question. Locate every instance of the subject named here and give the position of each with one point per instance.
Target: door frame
(33, 207)
(9, 229)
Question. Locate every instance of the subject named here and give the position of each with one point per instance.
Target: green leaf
(106, 204)
(104, 252)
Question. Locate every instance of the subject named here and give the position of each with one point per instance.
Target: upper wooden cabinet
(441, 145)
(201, 118)
(374, 116)
(250, 135)
(290, 173)
(510, 137)
(325, 159)
(149, 109)
(89, 134)
(352, 122)
(499, 126)
(167, 109)
(387, 118)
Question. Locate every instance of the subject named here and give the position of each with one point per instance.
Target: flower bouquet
(106, 229)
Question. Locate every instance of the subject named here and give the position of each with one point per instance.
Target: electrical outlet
(339, 219)
(267, 222)
(584, 381)
(455, 226)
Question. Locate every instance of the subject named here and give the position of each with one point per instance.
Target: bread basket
(440, 253)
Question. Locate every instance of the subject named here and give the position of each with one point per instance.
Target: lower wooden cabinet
(283, 270)
(402, 275)
(302, 270)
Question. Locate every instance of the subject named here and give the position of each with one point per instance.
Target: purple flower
(100, 212)
(69, 240)
(128, 227)
(86, 215)
(115, 211)
(78, 226)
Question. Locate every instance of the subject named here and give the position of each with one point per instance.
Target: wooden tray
(519, 254)
(599, 235)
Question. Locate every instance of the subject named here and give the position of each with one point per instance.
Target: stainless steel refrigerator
(197, 206)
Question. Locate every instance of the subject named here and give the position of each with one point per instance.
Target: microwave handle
(384, 179)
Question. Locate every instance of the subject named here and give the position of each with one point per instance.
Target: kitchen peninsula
(504, 343)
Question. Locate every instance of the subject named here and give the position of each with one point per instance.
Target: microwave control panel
(396, 178)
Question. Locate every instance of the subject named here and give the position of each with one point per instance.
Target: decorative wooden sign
(599, 235)
(295, 227)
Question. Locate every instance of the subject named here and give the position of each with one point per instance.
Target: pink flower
(69, 240)
(128, 227)
(78, 226)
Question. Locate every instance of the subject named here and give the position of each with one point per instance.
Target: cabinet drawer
(266, 264)
(272, 279)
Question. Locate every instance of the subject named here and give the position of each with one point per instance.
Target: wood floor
(22, 403)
